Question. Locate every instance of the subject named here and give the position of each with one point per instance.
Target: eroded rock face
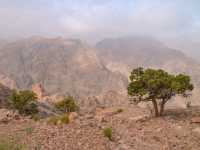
(39, 90)
(5, 93)
(6, 81)
(63, 66)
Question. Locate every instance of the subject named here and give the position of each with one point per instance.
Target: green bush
(29, 130)
(24, 102)
(53, 120)
(7, 144)
(67, 105)
(108, 133)
(62, 119)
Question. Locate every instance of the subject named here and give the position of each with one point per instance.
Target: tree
(67, 105)
(24, 102)
(157, 86)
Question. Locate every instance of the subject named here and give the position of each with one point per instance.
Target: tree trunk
(155, 108)
(162, 107)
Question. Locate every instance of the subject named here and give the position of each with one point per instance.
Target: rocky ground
(132, 128)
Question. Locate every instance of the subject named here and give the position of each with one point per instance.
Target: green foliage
(67, 105)
(29, 130)
(53, 120)
(8, 144)
(62, 119)
(108, 133)
(24, 102)
(157, 86)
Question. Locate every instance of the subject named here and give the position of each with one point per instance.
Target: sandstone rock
(107, 111)
(7, 115)
(73, 116)
(195, 120)
(39, 90)
(197, 130)
(6, 81)
(139, 118)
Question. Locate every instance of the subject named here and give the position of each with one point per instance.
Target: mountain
(124, 54)
(143, 51)
(65, 66)
(68, 66)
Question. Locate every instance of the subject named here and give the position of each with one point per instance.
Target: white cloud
(95, 19)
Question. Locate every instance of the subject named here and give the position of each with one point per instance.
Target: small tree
(67, 105)
(157, 86)
(24, 102)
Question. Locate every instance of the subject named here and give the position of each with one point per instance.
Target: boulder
(39, 90)
(139, 118)
(196, 130)
(8, 115)
(195, 120)
(73, 116)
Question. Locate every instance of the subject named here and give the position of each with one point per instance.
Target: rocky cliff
(64, 66)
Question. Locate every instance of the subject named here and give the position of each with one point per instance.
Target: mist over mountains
(69, 66)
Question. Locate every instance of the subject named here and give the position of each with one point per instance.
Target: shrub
(67, 105)
(8, 144)
(62, 119)
(53, 120)
(29, 130)
(188, 104)
(120, 110)
(24, 102)
(108, 133)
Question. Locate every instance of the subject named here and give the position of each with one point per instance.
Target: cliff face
(61, 65)
(39, 90)
(6, 81)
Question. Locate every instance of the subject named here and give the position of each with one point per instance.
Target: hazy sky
(96, 19)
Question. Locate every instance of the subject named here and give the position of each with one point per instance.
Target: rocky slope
(132, 130)
(4, 95)
(61, 65)
(52, 66)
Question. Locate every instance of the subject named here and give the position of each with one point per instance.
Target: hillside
(97, 77)
(5, 92)
(64, 66)
(69, 66)
(146, 52)
(124, 54)
(132, 130)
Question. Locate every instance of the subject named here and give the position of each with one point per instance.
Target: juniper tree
(157, 86)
